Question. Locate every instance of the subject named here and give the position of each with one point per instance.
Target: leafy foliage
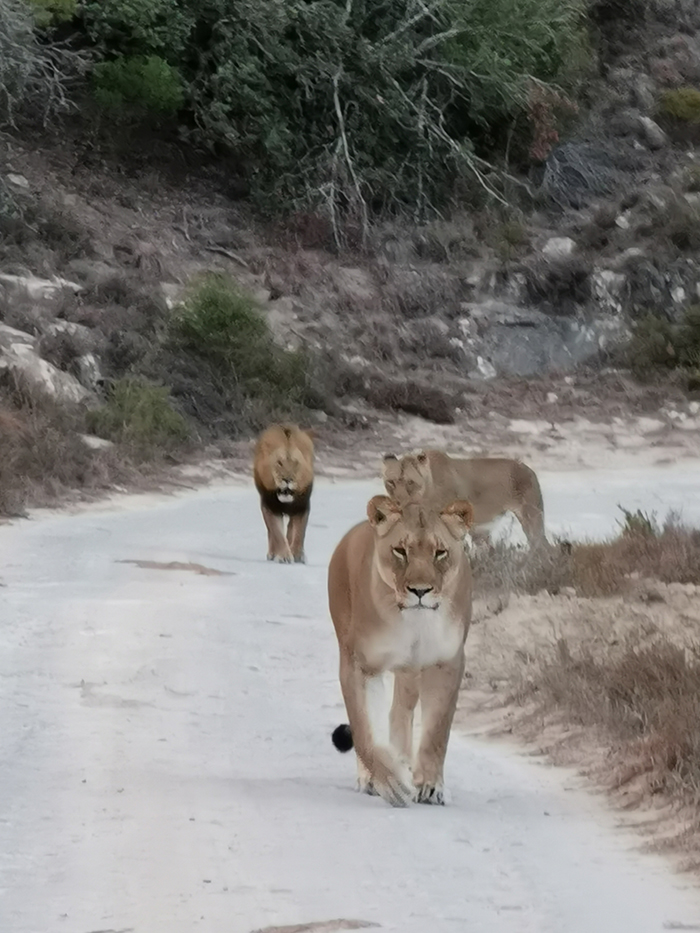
(659, 344)
(141, 84)
(223, 325)
(350, 104)
(47, 12)
(140, 416)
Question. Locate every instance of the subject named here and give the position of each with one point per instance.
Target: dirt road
(166, 763)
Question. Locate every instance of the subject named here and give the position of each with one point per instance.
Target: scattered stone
(89, 372)
(653, 135)
(96, 443)
(607, 287)
(29, 286)
(18, 356)
(19, 181)
(558, 247)
(694, 408)
(485, 369)
(552, 397)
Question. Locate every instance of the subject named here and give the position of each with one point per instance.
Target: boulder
(19, 357)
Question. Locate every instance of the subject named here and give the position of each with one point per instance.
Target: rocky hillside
(584, 263)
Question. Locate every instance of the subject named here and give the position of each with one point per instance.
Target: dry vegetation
(43, 456)
(592, 651)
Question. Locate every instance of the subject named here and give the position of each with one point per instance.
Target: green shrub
(141, 84)
(681, 104)
(47, 12)
(223, 324)
(657, 344)
(139, 415)
(653, 346)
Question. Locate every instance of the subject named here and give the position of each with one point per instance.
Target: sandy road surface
(166, 764)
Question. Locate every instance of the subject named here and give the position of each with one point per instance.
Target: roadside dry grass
(591, 652)
(43, 457)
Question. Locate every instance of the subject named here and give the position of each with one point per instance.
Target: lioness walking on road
(400, 592)
(493, 486)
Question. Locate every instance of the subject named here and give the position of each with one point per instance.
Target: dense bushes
(34, 76)
(347, 104)
(658, 344)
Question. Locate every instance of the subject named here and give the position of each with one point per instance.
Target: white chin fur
(285, 497)
(412, 603)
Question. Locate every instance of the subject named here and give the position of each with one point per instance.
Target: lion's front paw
(391, 779)
(430, 793)
(300, 558)
(283, 558)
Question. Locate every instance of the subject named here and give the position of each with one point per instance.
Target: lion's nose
(419, 591)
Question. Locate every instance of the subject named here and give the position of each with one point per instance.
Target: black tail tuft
(342, 738)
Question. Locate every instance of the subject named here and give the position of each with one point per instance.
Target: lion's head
(419, 551)
(406, 478)
(284, 462)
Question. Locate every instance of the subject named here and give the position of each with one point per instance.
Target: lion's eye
(440, 554)
(399, 552)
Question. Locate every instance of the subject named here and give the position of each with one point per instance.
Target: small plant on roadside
(140, 416)
(638, 523)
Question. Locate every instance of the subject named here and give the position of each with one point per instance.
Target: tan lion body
(493, 486)
(399, 591)
(283, 471)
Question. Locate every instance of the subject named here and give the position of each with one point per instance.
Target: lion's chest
(415, 638)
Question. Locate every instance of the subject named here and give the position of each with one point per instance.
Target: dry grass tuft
(646, 700)
(670, 554)
(42, 455)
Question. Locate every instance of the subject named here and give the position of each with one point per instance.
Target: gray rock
(18, 356)
(29, 286)
(558, 247)
(652, 134)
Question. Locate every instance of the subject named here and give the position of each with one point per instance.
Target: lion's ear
(458, 516)
(382, 512)
(310, 432)
(421, 456)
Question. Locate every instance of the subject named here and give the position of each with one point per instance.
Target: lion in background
(493, 486)
(283, 471)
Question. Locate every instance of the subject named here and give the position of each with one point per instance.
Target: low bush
(138, 85)
(658, 344)
(682, 104)
(223, 324)
(139, 416)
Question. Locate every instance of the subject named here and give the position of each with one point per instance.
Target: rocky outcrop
(20, 359)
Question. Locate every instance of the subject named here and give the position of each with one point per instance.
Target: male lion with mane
(400, 592)
(494, 486)
(283, 471)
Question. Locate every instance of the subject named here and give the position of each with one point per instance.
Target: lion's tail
(342, 738)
